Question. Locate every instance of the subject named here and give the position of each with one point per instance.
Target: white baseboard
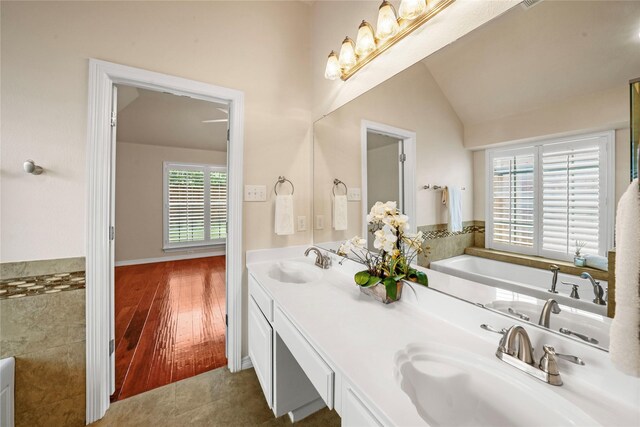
(246, 363)
(171, 258)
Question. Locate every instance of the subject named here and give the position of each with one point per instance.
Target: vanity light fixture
(411, 9)
(347, 58)
(387, 21)
(389, 30)
(332, 71)
(366, 41)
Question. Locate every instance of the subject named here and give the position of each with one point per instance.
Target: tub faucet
(598, 292)
(322, 261)
(554, 280)
(551, 306)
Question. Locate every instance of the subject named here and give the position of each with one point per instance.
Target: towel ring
(337, 182)
(281, 180)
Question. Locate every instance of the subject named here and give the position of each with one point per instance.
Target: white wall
(332, 20)
(139, 198)
(261, 48)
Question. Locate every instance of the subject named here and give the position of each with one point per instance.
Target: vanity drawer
(318, 372)
(261, 298)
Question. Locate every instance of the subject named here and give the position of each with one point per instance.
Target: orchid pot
(397, 248)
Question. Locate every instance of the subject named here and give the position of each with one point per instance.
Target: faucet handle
(554, 268)
(574, 290)
(548, 362)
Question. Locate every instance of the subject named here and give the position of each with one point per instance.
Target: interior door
(112, 242)
(385, 172)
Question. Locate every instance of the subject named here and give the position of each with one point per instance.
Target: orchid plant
(397, 248)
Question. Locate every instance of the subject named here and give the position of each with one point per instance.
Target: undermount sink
(294, 272)
(450, 386)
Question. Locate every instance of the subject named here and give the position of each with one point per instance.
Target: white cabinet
(354, 412)
(293, 376)
(261, 349)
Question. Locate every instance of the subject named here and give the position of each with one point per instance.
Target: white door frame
(102, 76)
(410, 189)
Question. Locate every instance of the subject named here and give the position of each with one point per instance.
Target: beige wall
(597, 111)
(413, 101)
(45, 49)
(139, 198)
(261, 48)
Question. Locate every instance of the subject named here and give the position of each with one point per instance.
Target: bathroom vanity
(315, 340)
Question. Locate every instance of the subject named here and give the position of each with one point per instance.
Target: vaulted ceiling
(534, 57)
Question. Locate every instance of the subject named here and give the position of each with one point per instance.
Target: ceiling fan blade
(216, 121)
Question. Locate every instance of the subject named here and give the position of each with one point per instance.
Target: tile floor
(215, 398)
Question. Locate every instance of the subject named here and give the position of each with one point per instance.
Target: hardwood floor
(170, 322)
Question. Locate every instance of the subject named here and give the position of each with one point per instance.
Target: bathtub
(525, 280)
(7, 375)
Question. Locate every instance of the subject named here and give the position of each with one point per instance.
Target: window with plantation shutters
(195, 205)
(513, 198)
(571, 191)
(548, 197)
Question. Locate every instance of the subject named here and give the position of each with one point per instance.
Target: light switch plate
(319, 222)
(302, 223)
(255, 193)
(354, 194)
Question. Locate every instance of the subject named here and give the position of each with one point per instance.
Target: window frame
(206, 169)
(606, 179)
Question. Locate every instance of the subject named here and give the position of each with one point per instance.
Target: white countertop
(359, 337)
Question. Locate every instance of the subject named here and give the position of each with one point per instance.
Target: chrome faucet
(516, 350)
(598, 292)
(322, 261)
(554, 280)
(551, 306)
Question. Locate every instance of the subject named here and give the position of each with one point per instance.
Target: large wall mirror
(528, 119)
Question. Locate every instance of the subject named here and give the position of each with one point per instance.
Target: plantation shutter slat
(513, 199)
(195, 204)
(571, 197)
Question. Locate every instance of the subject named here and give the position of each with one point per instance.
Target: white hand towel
(284, 215)
(624, 346)
(455, 209)
(340, 213)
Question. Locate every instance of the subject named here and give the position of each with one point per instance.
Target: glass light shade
(347, 57)
(332, 71)
(411, 9)
(387, 21)
(366, 41)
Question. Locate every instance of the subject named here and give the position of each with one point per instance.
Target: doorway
(388, 169)
(170, 204)
(100, 247)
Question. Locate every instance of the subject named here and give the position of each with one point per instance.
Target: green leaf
(373, 280)
(362, 277)
(392, 288)
(421, 277)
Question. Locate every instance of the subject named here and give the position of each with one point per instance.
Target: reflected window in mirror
(549, 198)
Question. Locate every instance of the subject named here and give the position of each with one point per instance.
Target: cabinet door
(261, 349)
(355, 413)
